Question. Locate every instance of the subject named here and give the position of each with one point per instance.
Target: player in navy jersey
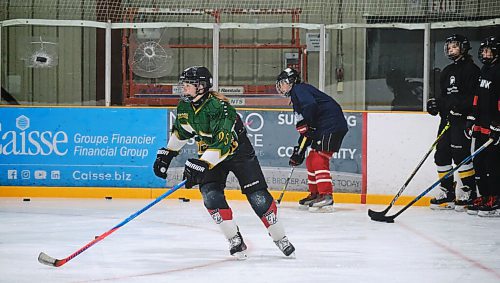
(319, 120)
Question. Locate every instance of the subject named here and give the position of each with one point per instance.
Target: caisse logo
(25, 142)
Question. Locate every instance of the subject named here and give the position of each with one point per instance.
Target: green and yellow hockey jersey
(212, 126)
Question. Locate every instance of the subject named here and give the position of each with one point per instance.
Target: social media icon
(55, 175)
(40, 174)
(11, 174)
(25, 174)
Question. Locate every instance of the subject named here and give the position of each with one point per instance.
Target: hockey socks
(223, 217)
(319, 179)
(276, 230)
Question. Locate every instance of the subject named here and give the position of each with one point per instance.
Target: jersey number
(224, 138)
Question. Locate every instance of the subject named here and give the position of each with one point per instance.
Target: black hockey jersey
(486, 106)
(458, 83)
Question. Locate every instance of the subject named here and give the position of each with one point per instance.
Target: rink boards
(94, 152)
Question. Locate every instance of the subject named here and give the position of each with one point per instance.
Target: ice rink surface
(178, 242)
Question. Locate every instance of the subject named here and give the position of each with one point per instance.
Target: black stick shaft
(396, 197)
(301, 147)
(420, 164)
(439, 181)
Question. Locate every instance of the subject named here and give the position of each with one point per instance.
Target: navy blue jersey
(317, 109)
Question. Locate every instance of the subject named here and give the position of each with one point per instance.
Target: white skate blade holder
(303, 207)
(240, 255)
(443, 206)
(323, 209)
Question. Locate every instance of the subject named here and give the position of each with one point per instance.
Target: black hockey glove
(304, 129)
(469, 127)
(297, 157)
(194, 172)
(162, 162)
(432, 106)
(495, 134)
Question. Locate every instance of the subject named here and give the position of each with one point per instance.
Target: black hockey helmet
(196, 75)
(462, 42)
(289, 76)
(493, 44)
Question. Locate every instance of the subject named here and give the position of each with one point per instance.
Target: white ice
(178, 242)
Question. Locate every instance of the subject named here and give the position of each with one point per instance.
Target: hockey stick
(48, 260)
(390, 219)
(286, 185)
(379, 214)
(301, 146)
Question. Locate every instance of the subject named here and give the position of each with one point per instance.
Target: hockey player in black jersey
(457, 83)
(483, 124)
(223, 147)
(320, 120)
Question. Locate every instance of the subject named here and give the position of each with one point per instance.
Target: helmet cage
(463, 44)
(494, 45)
(196, 76)
(279, 87)
(288, 76)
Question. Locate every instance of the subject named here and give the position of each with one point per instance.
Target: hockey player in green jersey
(223, 147)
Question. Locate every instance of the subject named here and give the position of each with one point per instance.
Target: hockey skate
(491, 208)
(237, 246)
(304, 203)
(465, 199)
(286, 247)
(323, 204)
(445, 200)
(473, 208)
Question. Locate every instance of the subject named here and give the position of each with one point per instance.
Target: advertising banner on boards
(116, 147)
(98, 147)
(273, 135)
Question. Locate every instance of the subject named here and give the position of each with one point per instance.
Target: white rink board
(396, 143)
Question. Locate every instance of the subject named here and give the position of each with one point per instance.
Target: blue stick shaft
(485, 145)
(157, 200)
(43, 258)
